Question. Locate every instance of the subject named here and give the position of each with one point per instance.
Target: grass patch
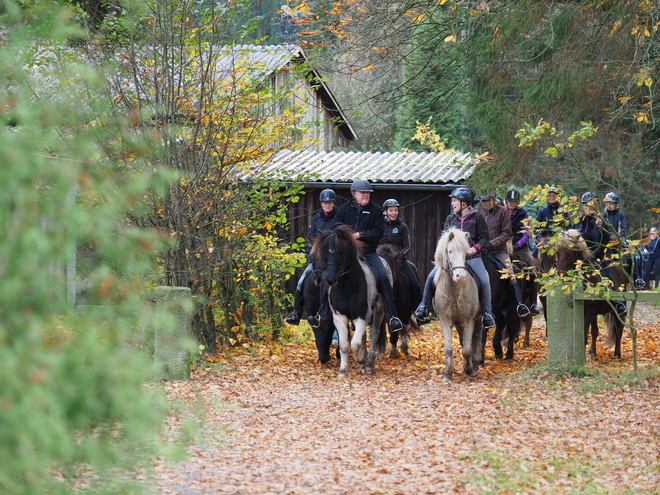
(499, 471)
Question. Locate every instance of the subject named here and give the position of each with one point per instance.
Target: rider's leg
(422, 311)
(522, 309)
(408, 268)
(477, 265)
(530, 269)
(386, 290)
(298, 302)
(324, 309)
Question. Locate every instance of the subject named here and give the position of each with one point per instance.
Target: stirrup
(534, 310)
(621, 309)
(488, 321)
(640, 284)
(523, 311)
(395, 324)
(314, 321)
(422, 316)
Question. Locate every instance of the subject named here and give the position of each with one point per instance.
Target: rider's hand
(472, 251)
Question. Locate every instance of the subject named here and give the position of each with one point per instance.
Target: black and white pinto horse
(352, 294)
(456, 302)
(403, 298)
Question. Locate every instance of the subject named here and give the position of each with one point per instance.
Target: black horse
(405, 299)
(504, 310)
(312, 302)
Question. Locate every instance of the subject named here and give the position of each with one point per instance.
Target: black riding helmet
(462, 194)
(512, 195)
(611, 197)
(327, 195)
(390, 202)
(587, 197)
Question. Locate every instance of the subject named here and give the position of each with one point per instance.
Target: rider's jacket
(614, 222)
(368, 221)
(472, 223)
(320, 221)
(520, 228)
(499, 227)
(593, 236)
(396, 232)
(545, 215)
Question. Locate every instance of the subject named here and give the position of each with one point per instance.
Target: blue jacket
(546, 215)
(320, 221)
(615, 222)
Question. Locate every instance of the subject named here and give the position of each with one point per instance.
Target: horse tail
(612, 329)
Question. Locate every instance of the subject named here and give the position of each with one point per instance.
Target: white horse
(456, 302)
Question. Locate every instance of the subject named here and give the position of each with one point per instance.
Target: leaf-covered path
(280, 423)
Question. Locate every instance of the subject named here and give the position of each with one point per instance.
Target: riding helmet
(553, 189)
(361, 185)
(327, 195)
(611, 197)
(489, 195)
(587, 197)
(390, 202)
(512, 195)
(462, 194)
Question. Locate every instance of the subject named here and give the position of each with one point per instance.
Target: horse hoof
(499, 355)
(367, 370)
(508, 360)
(342, 375)
(446, 379)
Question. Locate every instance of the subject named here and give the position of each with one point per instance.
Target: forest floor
(278, 422)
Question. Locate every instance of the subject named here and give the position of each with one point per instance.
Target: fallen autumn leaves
(278, 422)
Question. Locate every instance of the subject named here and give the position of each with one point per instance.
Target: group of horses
(357, 305)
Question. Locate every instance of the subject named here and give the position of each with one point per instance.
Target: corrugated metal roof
(346, 166)
(256, 60)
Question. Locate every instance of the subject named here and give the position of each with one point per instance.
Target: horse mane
(450, 235)
(572, 239)
(341, 237)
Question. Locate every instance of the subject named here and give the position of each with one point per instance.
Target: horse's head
(569, 249)
(335, 251)
(451, 251)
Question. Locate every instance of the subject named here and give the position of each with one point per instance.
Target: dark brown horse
(403, 297)
(571, 250)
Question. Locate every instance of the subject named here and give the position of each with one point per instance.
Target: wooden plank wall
(424, 211)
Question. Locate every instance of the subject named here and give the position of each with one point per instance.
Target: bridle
(450, 268)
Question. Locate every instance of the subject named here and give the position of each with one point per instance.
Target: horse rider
(397, 233)
(546, 216)
(499, 233)
(467, 219)
(322, 220)
(366, 218)
(590, 228)
(520, 227)
(615, 226)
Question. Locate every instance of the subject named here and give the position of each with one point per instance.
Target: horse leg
(446, 327)
(359, 340)
(477, 346)
(394, 339)
(527, 323)
(405, 335)
(375, 329)
(500, 323)
(341, 324)
(468, 366)
(512, 329)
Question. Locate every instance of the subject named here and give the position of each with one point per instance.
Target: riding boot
(522, 309)
(294, 318)
(422, 311)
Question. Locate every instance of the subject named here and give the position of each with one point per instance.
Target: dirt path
(280, 423)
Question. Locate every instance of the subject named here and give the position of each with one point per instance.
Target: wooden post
(171, 339)
(565, 331)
